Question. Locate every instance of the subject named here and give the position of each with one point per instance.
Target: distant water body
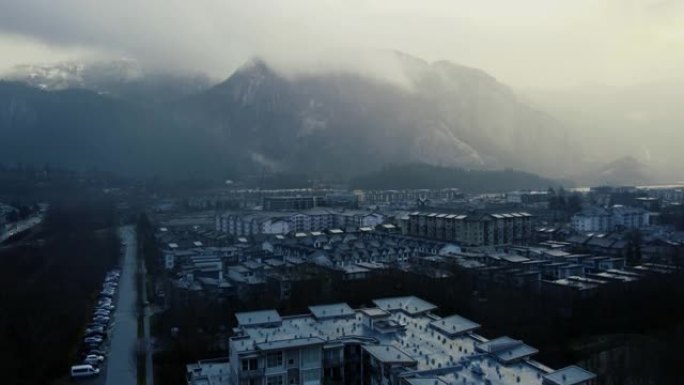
(645, 187)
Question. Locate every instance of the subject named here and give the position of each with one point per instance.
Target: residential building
(315, 219)
(290, 203)
(474, 228)
(397, 342)
(597, 219)
(629, 217)
(592, 219)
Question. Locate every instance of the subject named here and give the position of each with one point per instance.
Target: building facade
(398, 342)
(473, 228)
(597, 219)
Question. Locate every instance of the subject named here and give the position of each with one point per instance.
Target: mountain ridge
(336, 124)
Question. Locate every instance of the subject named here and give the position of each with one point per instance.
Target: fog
(565, 57)
(524, 43)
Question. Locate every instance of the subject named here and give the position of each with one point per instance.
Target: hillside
(331, 125)
(417, 176)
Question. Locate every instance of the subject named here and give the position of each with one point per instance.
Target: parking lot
(119, 366)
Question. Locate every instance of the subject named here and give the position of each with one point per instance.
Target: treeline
(47, 288)
(414, 176)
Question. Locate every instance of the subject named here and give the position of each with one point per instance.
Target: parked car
(95, 329)
(102, 312)
(91, 345)
(95, 334)
(108, 307)
(93, 339)
(93, 359)
(102, 320)
(96, 352)
(95, 325)
(85, 370)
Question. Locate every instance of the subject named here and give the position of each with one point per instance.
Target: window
(311, 357)
(249, 364)
(274, 360)
(274, 380)
(311, 377)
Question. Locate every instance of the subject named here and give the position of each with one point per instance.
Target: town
(239, 285)
(306, 252)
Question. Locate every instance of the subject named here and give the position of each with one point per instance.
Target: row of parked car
(96, 332)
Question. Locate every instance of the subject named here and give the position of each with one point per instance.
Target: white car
(93, 359)
(84, 371)
(93, 339)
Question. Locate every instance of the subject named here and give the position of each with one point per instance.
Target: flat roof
(454, 325)
(514, 258)
(436, 356)
(424, 381)
(336, 310)
(411, 304)
(571, 375)
(260, 317)
(375, 312)
(506, 349)
(389, 354)
(353, 269)
(290, 343)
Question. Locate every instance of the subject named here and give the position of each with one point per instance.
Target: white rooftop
(572, 375)
(454, 325)
(389, 354)
(331, 311)
(450, 359)
(410, 305)
(256, 318)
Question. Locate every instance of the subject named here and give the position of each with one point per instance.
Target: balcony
(332, 361)
(254, 373)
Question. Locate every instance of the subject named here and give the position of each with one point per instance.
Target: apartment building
(315, 219)
(596, 219)
(398, 342)
(475, 228)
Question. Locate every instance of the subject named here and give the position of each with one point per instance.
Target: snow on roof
(337, 310)
(571, 375)
(454, 325)
(411, 305)
(256, 318)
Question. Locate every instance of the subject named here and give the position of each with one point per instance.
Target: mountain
(335, 125)
(81, 129)
(123, 78)
(642, 121)
(417, 176)
(625, 171)
(345, 123)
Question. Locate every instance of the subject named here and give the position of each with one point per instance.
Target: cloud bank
(537, 43)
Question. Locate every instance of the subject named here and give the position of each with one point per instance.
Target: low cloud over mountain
(334, 123)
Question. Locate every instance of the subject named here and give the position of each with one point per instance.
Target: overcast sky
(538, 43)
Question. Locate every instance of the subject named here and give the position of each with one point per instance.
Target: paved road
(121, 364)
(149, 369)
